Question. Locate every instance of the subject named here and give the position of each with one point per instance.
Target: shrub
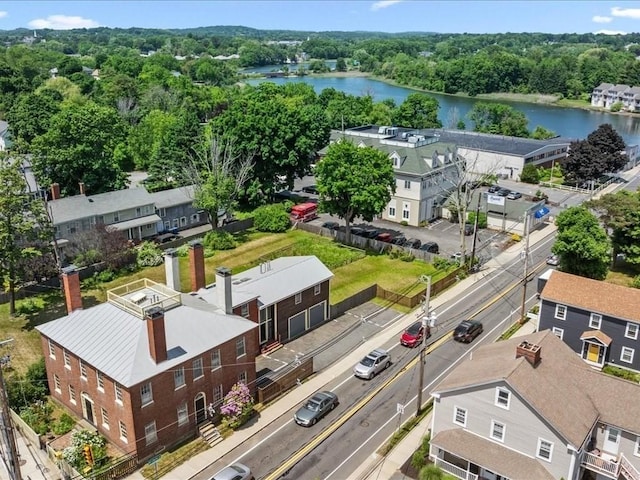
(616, 107)
(530, 174)
(441, 263)
(404, 223)
(29, 306)
(621, 373)
(88, 257)
(636, 282)
(149, 255)
(64, 424)
(482, 219)
(237, 406)
(271, 218)
(219, 240)
(74, 453)
(37, 416)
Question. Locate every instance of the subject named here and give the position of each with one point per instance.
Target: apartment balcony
(611, 467)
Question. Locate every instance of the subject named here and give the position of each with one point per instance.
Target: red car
(412, 336)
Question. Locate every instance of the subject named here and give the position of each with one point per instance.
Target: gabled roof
(173, 197)
(273, 281)
(547, 389)
(604, 86)
(116, 342)
(580, 292)
(67, 209)
(562, 389)
(618, 88)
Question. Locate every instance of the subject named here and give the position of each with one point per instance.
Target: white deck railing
(454, 470)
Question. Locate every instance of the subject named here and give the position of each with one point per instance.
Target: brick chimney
(55, 191)
(172, 269)
(71, 287)
(156, 333)
(223, 286)
(530, 351)
(82, 188)
(196, 264)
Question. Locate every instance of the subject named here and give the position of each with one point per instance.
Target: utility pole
(475, 232)
(425, 325)
(7, 429)
(527, 219)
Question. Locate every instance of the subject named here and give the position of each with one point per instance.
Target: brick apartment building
(143, 367)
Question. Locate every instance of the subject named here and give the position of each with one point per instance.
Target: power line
(8, 435)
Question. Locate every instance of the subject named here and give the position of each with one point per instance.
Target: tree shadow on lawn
(54, 308)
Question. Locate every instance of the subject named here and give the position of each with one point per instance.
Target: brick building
(143, 367)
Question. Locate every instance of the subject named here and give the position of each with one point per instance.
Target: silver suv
(372, 364)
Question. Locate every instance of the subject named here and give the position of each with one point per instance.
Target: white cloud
(610, 32)
(626, 12)
(383, 4)
(63, 22)
(601, 19)
(3, 14)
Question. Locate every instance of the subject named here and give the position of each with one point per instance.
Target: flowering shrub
(74, 453)
(237, 406)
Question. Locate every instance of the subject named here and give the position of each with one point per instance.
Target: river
(566, 122)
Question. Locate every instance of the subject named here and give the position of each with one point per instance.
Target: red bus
(304, 212)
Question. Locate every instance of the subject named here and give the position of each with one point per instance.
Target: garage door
(316, 315)
(297, 325)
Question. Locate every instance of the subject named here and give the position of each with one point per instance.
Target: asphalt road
(365, 417)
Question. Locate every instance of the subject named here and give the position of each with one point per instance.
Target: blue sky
(321, 15)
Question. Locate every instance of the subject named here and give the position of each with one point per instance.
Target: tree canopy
(354, 182)
(582, 244)
(499, 119)
(602, 152)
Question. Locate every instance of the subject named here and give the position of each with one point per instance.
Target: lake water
(567, 122)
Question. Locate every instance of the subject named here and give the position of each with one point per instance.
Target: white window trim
(631, 353)
(244, 310)
(219, 357)
(195, 369)
(540, 440)
(242, 377)
(83, 370)
(595, 321)
(463, 411)
(184, 379)
(183, 419)
(563, 315)
(298, 298)
(67, 360)
(105, 415)
(491, 433)
(392, 212)
(218, 389)
(407, 184)
(558, 332)
(244, 347)
(631, 335)
(317, 289)
(503, 390)
(99, 381)
(118, 393)
(148, 398)
(151, 438)
(72, 394)
(56, 383)
(52, 350)
(123, 429)
(636, 450)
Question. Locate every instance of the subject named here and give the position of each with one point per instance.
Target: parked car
(315, 408)
(372, 364)
(237, 471)
(468, 229)
(514, 195)
(412, 336)
(166, 237)
(431, 247)
(357, 231)
(494, 188)
(467, 331)
(553, 260)
(331, 225)
(503, 192)
(413, 243)
(310, 189)
(370, 232)
(400, 240)
(385, 237)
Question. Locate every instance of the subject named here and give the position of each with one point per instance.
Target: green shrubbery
(482, 219)
(530, 174)
(148, 255)
(621, 373)
(219, 240)
(271, 218)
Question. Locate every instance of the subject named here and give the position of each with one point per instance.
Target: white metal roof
(273, 281)
(116, 343)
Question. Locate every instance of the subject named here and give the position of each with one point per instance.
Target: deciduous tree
(611, 145)
(582, 244)
(498, 119)
(418, 111)
(354, 182)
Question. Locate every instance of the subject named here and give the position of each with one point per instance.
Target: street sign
(495, 200)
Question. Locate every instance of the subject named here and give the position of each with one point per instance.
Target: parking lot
(443, 232)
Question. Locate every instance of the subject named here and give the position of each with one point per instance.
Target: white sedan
(553, 260)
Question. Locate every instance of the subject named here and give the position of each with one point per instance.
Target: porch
(609, 466)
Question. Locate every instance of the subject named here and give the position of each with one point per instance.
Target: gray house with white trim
(530, 408)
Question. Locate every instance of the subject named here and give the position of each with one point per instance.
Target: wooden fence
(274, 387)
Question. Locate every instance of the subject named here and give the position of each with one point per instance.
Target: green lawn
(354, 270)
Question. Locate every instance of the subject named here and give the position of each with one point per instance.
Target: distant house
(286, 297)
(175, 209)
(606, 95)
(143, 367)
(529, 408)
(599, 321)
(4, 135)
